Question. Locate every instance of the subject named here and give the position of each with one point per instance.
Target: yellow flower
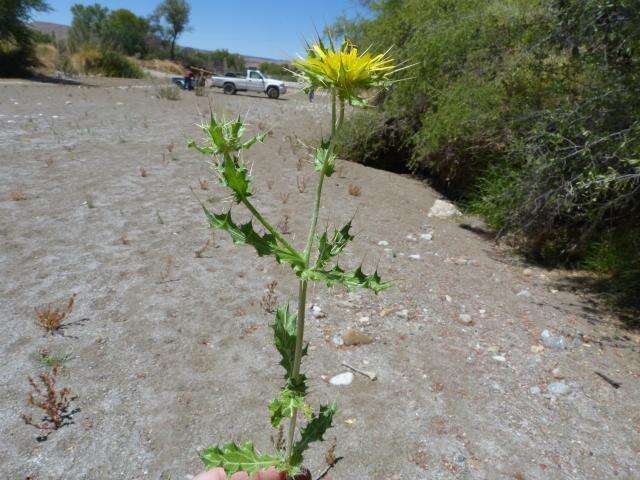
(344, 71)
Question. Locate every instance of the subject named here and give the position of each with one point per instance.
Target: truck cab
(253, 81)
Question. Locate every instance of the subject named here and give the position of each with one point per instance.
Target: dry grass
(165, 66)
(299, 164)
(269, 301)
(168, 93)
(199, 252)
(52, 318)
(204, 184)
(301, 181)
(144, 172)
(283, 225)
(354, 190)
(17, 194)
(54, 403)
(284, 197)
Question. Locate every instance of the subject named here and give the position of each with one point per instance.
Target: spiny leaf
(331, 248)
(284, 331)
(323, 160)
(285, 404)
(244, 234)
(350, 280)
(313, 431)
(265, 244)
(224, 137)
(236, 177)
(238, 458)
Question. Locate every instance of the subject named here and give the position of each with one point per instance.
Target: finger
(213, 474)
(271, 474)
(240, 476)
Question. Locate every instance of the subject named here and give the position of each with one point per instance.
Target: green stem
(268, 226)
(302, 287)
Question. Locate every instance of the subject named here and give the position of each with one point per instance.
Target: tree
(87, 25)
(125, 32)
(16, 38)
(175, 13)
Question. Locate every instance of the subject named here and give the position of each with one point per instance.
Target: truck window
(255, 75)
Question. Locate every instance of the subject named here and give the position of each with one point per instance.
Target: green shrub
(113, 64)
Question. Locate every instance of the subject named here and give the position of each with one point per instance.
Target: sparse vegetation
(17, 194)
(301, 182)
(169, 93)
(54, 403)
(144, 172)
(354, 190)
(269, 301)
(56, 360)
(204, 184)
(51, 317)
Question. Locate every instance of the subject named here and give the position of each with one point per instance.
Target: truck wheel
(229, 89)
(273, 92)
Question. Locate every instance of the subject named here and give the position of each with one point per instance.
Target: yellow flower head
(343, 71)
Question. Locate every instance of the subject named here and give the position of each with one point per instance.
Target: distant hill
(56, 29)
(61, 31)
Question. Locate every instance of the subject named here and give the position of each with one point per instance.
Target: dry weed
(199, 252)
(204, 184)
(52, 318)
(269, 301)
(284, 197)
(354, 190)
(17, 194)
(283, 225)
(143, 172)
(301, 181)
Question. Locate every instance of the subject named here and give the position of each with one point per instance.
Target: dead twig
(611, 382)
(370, 375)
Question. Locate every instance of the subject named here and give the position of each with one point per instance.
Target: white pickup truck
(254, 81)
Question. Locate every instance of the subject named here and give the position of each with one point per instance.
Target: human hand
(218, 474)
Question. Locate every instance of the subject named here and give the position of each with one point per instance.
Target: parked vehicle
(179, 81)
(254, 81)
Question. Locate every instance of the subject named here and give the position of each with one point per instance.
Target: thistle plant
(345, 75)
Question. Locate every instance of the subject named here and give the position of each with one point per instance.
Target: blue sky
(266, 28)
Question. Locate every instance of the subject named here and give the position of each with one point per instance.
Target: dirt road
(176, 353)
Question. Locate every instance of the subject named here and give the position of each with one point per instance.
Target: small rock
(337, 340)
(415, 256)
(354, 337)
(465, 318)
(364, 320)
(317, 312)
(383, 243)
(527, 272)
(552, 341)
(412, 238)
(537, 348)
(404, 313)
(523, 293)
(427, 237)
(499, 358)
(557, 373)
(443, 209)
(535, 390)
(342, 379)
(558, 388)
(448, 299)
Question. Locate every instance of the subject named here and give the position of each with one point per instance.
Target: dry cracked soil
(170, 350)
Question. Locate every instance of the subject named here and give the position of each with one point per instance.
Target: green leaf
(332, 248)
(224, 137)
(285, 404)
(244, 234)
(265, 244)
(313, 431)
(323, 160)
(349, 280)
(238, 458)
(284, 332)
(236, 177)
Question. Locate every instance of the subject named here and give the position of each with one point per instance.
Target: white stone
(443, 209)
(499, 358)
(465, 318)
(415, 256)
(383, 243)
(412, 238)
(404, 313)
(317, 312)
(426, 236)
(342, 379)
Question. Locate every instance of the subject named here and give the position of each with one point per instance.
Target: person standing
(188, 79)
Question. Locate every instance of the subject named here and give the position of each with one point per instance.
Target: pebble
(558, 388)
(342, 379)
(415, 256)
(552, 341)
(317, 312)
(537, 348)
(364, 320)
(337, 340)
(465, 318)
(557, 373)
(412, 238)
(527, 272)
(383, 243)
(524, 293)
(448, 298)
(499, 358)
(404, 313)
(427, 237)
(535, 390)
(354, 337)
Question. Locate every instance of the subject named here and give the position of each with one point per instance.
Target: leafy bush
(525, 110)
(90, 60)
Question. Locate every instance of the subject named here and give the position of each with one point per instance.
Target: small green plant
(52, 359)
(344, 74)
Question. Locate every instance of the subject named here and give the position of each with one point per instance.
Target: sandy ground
(176, 353)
